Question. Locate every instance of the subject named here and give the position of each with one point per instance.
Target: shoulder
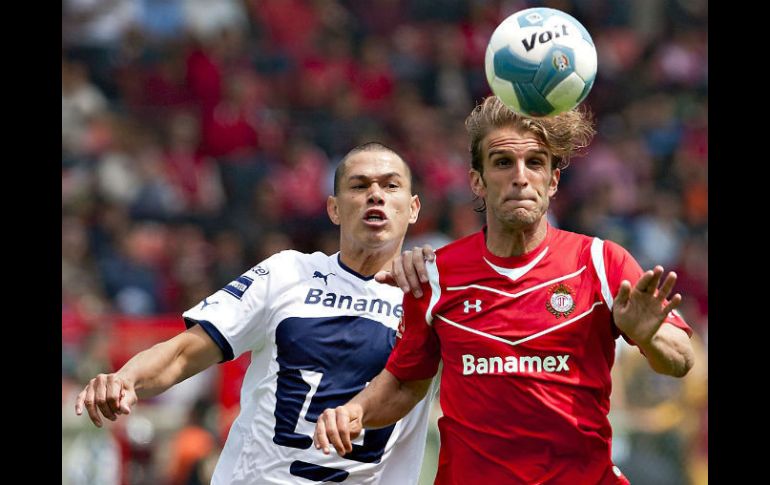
(561, 240)
(458, 260)
(462, 246)
(602, 252)
(614, 253)
(466, 251)
(614, 262)
(289, 265)
(291, 257)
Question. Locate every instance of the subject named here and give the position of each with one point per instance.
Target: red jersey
(527, 344)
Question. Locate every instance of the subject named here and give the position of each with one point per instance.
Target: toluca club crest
(561, 300)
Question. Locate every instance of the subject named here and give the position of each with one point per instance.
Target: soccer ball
(540, 62)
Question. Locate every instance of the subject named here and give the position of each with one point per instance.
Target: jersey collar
(515, 266)
(351, 270)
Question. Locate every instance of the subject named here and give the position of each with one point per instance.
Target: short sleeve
(237, 316)
(417, 352)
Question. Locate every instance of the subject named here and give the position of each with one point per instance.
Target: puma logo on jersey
(318, 274)
(206, 303)
(514, 365)
(476, 306)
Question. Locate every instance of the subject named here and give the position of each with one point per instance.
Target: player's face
(517, 182)
(374, 204)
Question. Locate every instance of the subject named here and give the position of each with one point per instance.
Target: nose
(519, 174)
(375, 195)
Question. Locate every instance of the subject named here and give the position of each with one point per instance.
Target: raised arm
(148, 374)
(640, 313)
(383, 402)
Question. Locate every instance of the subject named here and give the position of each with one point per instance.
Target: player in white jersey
(318, 327)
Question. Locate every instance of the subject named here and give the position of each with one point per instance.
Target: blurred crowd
(201, 136)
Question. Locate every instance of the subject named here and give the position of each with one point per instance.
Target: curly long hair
(564, 135)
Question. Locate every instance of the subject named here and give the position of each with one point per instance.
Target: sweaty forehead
(509, 138)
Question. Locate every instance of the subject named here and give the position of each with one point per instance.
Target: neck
(368, 261)
(506, 241)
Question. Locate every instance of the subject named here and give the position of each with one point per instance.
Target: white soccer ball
(540, 62)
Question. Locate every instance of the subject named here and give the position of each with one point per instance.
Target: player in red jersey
(524, 317)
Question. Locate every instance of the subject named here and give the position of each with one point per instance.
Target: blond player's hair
(564, 134)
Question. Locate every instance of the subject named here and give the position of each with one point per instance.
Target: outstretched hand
(639, 311)
(108, 395)
(408, 271)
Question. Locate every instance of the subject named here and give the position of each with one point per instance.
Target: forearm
(669, 351)
(154, 370)
(160, 367)
(386, 399)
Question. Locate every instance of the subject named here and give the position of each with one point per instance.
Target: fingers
(336, 428)
(668, 285)
(649, 280)
(344, 432)
(100, 395)
(673, 304)
(127, 399)
(328, 433)
(105, 396)
(410, 260)
(333, 433)
(429, 253)
(657, 272)
(385, 277)
(114, 394)
(79, 402)
(90, 404)
(623, 293)
(409, 270)
(320, 439)
(419, 263)
(398, 271)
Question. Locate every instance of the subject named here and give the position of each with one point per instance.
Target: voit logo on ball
(540, 62)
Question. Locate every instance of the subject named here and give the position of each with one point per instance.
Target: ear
(414, 208)
(553, 185)
(478, 186)
(333, 210)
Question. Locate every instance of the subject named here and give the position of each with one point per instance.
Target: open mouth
(374, 216)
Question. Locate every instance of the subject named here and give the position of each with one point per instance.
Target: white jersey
(318, 333)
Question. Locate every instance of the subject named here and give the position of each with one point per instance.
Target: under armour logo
(318, 274)
(206, 303)
(476, 306)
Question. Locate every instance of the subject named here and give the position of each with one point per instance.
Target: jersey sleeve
(237, 316)
(417, 353)
(620, 265)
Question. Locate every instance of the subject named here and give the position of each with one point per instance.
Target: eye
(501, 162)
(393, 185)
(538, 162)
